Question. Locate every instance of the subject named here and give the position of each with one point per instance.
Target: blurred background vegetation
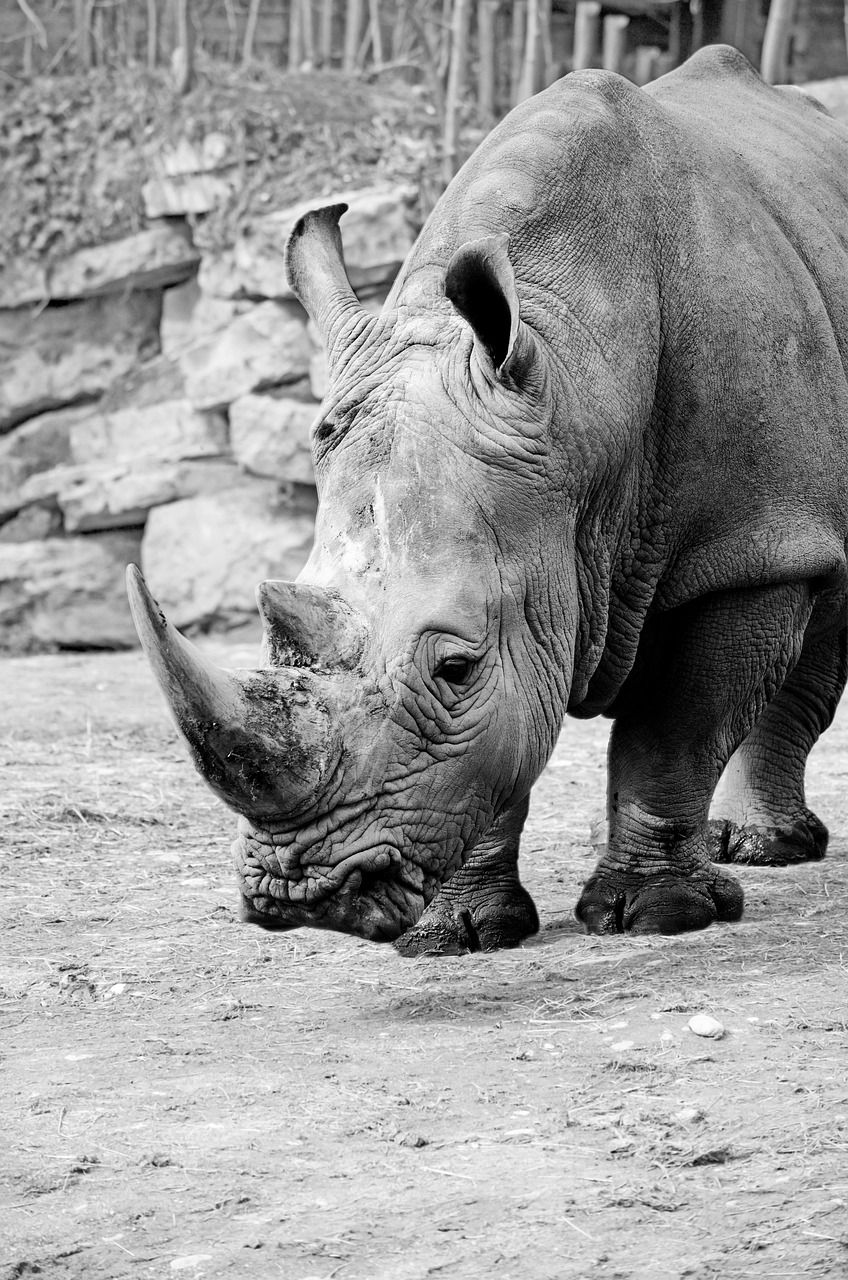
(311, 94)
(495, 51)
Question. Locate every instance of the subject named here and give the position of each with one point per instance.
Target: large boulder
(203, 557)
(266, 346)
(39, 445)
(190, 177)
(269, 436)
(118, 494)
(378, 231)
(150, 259)
(148, 383)
(70, 353)
(190, 317)
(67, 592)
(115, 497)
(168, 430)
(32, 523)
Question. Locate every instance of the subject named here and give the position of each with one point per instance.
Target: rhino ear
(480, 282)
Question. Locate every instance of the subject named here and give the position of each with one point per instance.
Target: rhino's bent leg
(704, 676)
(764, 816)
(484, 906)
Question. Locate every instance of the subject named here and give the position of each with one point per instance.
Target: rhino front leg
(764, 819)
(484, 906)
(704, 675)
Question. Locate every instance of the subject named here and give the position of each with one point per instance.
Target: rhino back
(755, 318)
(684, 248)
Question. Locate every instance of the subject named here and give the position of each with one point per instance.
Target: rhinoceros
(589, 459)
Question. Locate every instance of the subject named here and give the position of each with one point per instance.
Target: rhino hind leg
(484, 906)
(756, 845)
(702, 680)
(763, 816)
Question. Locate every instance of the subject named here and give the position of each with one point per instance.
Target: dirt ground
(184, 1094)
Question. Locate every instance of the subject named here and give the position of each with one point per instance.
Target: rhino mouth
(372, 892)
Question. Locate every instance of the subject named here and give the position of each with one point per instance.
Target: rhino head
(412, 682)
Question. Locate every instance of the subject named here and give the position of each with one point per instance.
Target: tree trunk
(456, 83)
(250, 32)
(781, 16)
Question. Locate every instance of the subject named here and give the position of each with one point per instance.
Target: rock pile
(155, 403)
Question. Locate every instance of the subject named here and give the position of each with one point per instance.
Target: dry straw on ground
(183, 1094)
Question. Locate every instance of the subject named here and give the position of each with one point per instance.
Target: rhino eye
(455, 671)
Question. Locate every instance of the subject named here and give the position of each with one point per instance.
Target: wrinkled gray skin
(589, 459)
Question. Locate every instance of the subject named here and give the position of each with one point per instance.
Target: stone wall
(155, 404)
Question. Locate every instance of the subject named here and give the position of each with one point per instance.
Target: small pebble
(688, 1115)
(703, 1025)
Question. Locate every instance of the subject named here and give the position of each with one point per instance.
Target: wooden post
(152, 35)
(587, 30)
(82, 33)
(548, 70)
(293, 36)
(781, 17)
(646, 61)
(487, 14)
(529, 81)
(307, 33)
(376, 32)
(182, 59)
(353, 26)
(399, 32)
(456, 83)
(615, 41)
(519, 25)
(325, 43)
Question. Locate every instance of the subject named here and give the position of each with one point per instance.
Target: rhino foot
(455, 925)
(615, 903)
(805, 840)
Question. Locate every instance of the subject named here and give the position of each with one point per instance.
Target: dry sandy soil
(186, 1095)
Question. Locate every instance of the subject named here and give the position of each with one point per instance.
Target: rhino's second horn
(306, 625)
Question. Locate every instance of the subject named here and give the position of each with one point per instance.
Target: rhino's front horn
(261, 739)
